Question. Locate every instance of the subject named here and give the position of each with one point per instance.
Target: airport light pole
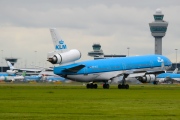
(2, 61)
(128, 50)
(35, 57)
(176, 57)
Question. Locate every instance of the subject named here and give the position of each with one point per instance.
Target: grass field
(70, 102)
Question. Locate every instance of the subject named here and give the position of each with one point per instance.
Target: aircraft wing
(136, 74)
(132, 73)
(74, 68)
(32, 70)
(155, 72)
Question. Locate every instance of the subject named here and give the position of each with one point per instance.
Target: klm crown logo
(159, 59)
(61, 45)
(61, 42)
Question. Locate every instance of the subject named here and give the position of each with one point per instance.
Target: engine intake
(61, 58)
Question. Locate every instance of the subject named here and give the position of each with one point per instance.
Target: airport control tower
(158, 29)
(97, 53)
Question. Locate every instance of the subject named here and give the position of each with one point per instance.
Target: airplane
(144, 67)
(32, 71)
(48, 75)
(9, 76)
(169, 77)
(45, 75)
(32, 78)
(23, 69)
(55, 79)
(6, 77)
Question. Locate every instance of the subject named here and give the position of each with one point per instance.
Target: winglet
(175, 71)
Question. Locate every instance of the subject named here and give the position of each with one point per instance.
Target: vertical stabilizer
(10, 65)
(59, 44)
(24, 73)
(175, 71)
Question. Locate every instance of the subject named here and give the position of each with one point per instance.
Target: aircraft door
(123, 66)
(151, 64)
(85, 71)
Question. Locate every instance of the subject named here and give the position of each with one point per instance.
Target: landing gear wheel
(155, 82)
(119, 86)
(88, 86)
(123, 86)
(127, 86)
(106, 86)
(95, 86)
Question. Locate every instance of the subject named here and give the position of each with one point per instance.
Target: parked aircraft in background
(11, 78)
(30, 71)
(6, 77)
(9, 75)
(169, 77)
(55, 78)
(36, 78)
(144, 67)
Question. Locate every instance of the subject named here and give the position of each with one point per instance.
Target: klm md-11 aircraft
(144, 68)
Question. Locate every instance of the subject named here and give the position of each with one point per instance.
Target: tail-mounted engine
(65, 57)
(147, 78)
(11, 72)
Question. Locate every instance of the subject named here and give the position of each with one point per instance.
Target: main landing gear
(95, 86)
(124, 85)
(106, 86)
(92, 86)
(155, 82)
(121, 86)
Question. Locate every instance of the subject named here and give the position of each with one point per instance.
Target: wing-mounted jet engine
(65, 57)
(147, 78)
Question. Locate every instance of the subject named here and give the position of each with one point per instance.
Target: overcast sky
(115, 24)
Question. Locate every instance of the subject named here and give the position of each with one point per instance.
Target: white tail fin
(10, 65)
(59, 44)
(175, 71)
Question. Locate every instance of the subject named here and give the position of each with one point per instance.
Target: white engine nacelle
(11, 72)
(147, 78)
(65, 57)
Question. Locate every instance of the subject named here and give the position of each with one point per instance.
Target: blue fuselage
(112, 68)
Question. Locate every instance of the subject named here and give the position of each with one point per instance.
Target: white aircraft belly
(94, 76)
(177, 79)
(108, 75)
(83, 77)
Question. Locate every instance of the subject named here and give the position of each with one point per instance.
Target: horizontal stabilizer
(175, 71)
(30, 70)
(74, 69)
